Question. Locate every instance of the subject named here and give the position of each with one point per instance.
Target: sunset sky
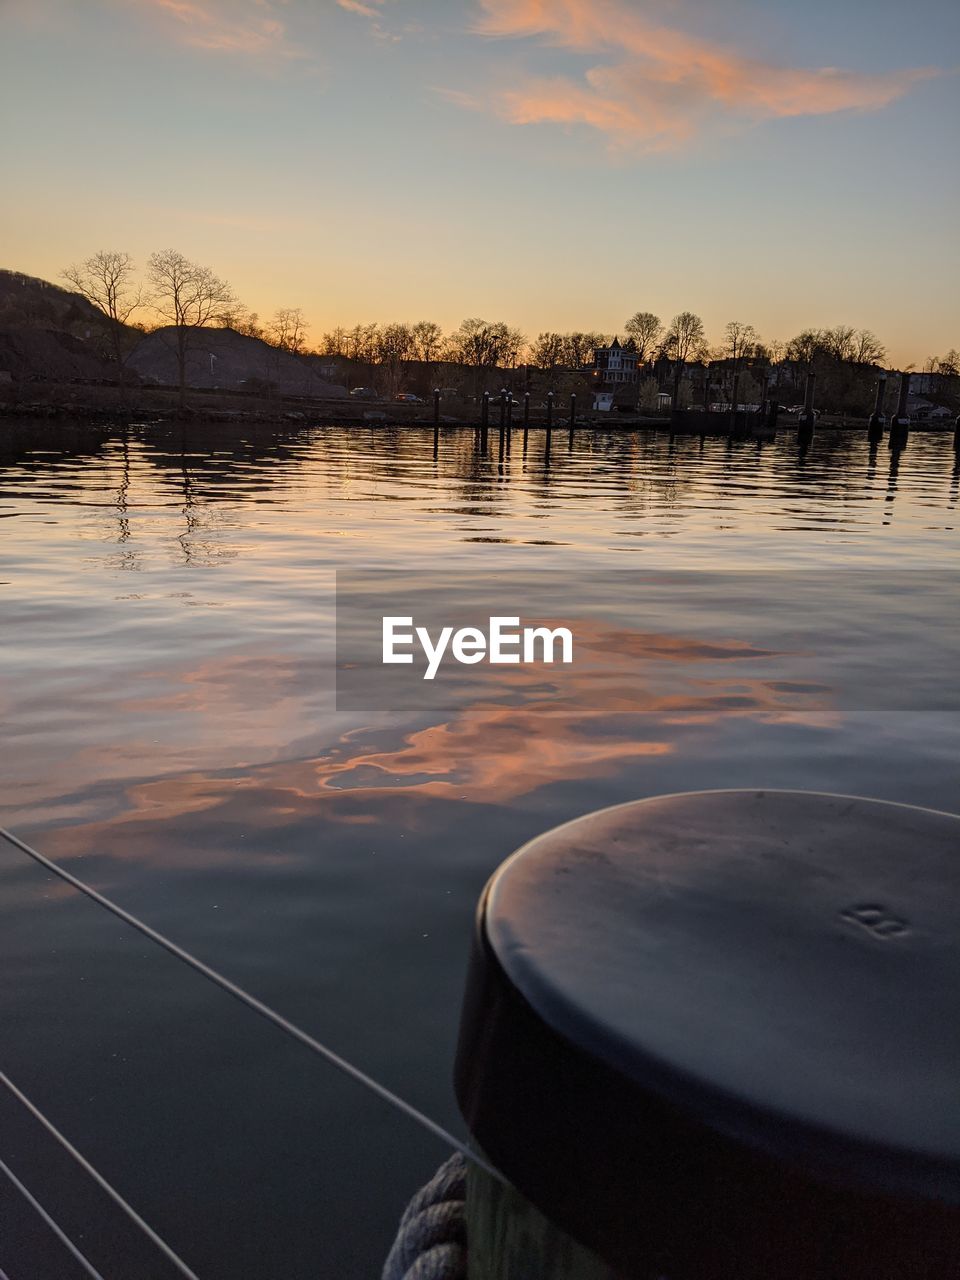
(554, 163)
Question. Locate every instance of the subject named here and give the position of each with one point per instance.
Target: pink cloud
(357, 6)
(249, 27)
(659, 85)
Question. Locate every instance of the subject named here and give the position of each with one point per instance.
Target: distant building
(923, 411)
(615, 364)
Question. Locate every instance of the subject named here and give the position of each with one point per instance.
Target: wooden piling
(900, 426)
(808, 419)
(877, 418)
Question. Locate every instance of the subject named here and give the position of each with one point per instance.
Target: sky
(557, 164)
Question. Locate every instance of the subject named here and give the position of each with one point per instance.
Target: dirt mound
(225, 359)
(31, 355)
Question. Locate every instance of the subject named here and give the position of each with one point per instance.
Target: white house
(616, 364)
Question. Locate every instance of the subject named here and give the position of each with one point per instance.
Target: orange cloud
(248, 27)
(662, 85)
(356, 6)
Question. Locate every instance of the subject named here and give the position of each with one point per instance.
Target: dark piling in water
(484, 419)
(808, 418)
(900, 426)
(877, 418)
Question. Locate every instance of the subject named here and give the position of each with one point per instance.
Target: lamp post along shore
(716, 1036)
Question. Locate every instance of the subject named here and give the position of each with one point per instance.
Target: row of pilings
(756, 424)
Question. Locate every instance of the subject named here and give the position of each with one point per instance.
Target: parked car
(364, 393)
(407, 397)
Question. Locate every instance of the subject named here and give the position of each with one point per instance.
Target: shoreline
(338, 413)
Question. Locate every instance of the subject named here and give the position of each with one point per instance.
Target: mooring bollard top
(769, 977)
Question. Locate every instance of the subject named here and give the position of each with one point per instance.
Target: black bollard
(878, 418)
(773, 413)
(808, 419)
(484, 419)
(956, 435)
(900, 424)
(549, 411)
(526, 410)
(503, 410)
(708, 1035)
(436, 423)
(509, 413)
(573, 411)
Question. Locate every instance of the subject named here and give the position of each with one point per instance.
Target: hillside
(30, 303)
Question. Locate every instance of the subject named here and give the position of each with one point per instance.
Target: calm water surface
(171, 734)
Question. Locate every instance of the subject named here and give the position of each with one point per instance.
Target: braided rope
(431, 1241)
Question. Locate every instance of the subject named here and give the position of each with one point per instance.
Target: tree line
(188, 296)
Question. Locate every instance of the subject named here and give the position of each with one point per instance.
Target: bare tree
(427, 341)
(646, 330)
(189, 297)
(361, 342)
(242, 321)
(806, 346)
(580, 348)
(548, 351)
(107, 281)
(867, 348)
(486, 345)
(649, 395)
(776, 350)
(394, 348)
(288, 329)
(742, 341)
(334, 343)
(839, 341)
(685, 340)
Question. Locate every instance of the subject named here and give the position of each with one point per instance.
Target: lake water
(172, 735)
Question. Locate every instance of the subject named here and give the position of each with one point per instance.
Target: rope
(431, 1241)
(101, 1182)
(256, 1005)
(58, 1231)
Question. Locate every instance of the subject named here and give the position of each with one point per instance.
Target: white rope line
(278, 1020)
(98, 1178)
(58, 1231)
